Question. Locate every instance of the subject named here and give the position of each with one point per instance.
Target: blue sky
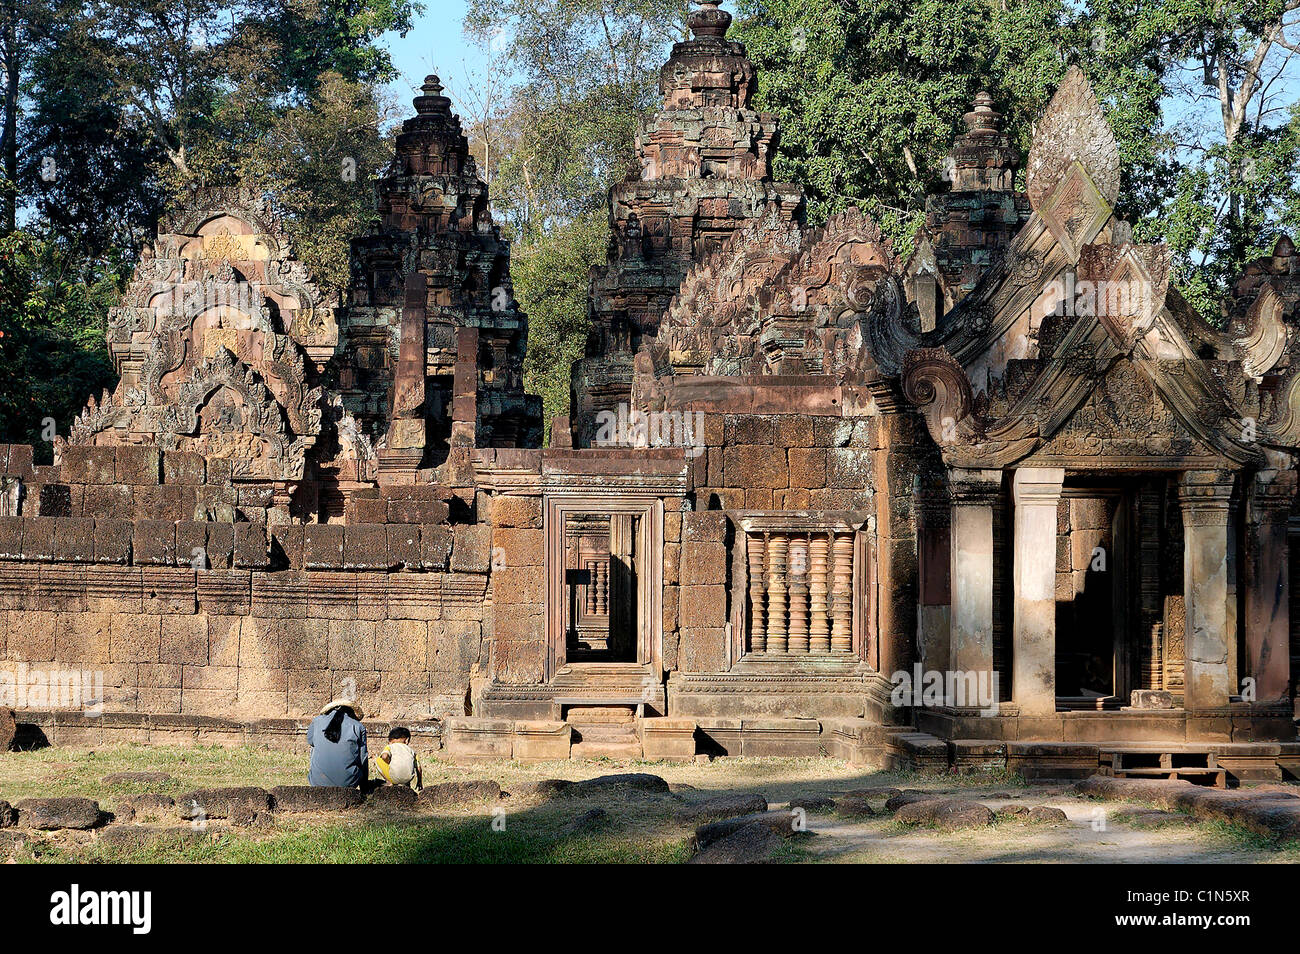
(437, 44)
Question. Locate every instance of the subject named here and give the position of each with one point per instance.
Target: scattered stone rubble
(1269, 812)
(47, 814)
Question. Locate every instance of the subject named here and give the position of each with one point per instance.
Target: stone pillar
(777, 640)
(602, 587)
(757, 592)
(1268, 583)
(934, 569)
(403, 450)
(464, 399)
(974, 493)
(1211, 641)
(798, 594)
(842, 593)
(1036, 492)
(819, 630)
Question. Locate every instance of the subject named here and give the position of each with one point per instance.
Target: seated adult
(338, 746)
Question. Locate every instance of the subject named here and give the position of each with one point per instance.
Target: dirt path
(1092, 833)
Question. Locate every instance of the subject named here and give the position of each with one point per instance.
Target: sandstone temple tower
(434, 340)
(703, 169)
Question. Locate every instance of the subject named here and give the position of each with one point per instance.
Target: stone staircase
(604, 731)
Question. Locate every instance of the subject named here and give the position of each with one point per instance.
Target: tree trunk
(9, 129)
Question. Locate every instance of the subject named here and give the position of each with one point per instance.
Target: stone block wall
(772, 462)
(783, 462)
(114, 573)
(517, 545)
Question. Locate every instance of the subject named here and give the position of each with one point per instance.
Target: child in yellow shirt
(397, 763)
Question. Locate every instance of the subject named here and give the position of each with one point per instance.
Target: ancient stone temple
(1008, 501)
(436, 337)
(703, 169)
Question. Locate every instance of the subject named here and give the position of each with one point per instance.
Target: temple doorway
(1093, 596)
(601, 568)
(604, 590)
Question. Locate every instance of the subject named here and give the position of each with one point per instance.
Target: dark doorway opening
(1093, 596)
(601, 564)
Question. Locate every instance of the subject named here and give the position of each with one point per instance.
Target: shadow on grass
(638, 827)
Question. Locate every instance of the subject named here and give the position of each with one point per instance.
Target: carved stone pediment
(225, 249)
(1072, 137)
(213, 340)
(1075, 211)
(1124, 286)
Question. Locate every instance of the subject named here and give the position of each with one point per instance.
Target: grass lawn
(637, 827)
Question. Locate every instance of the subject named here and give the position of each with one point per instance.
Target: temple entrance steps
(604, 731)
(1198, 767)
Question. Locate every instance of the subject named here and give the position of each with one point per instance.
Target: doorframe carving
(556, 507)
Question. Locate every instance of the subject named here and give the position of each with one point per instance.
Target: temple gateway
(1008, 501)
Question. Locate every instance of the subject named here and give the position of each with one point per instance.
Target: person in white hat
(338, 746)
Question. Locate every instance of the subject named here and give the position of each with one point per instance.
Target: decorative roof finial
(1072, 129)
(431, 98)
(983, 116)
(709, 20)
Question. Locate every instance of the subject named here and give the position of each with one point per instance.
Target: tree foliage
(588, 71)
(550, 276)
(1201, 95)
(52, 312)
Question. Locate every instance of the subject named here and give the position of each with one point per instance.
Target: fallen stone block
(1140, 789)
(813, 803)
(946, 813)
(751, 844)
(137, 778)
(633, 781)
(726, 806)
(459, 793)
(244, 815)
(781, 822)
(47, 814)
(907, 797)
(8, 816)
(221, 802)
(8, 729)
(854, 805)
(315, 798)
(1273, 814)
(149, 805)
(137, 837)
(392, 796)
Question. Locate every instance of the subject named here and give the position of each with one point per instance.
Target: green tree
(320, 161)
(53, 307)
(550, 277)
(113, 106)
(1200, 94)
(870, 95)
(1225, 143)
(588, 70)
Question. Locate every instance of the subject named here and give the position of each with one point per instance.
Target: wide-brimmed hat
(344, 704)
